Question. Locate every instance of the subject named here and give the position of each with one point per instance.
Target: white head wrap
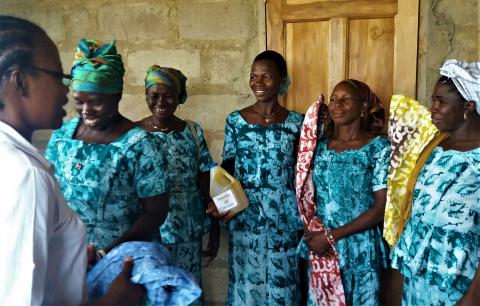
(466, 77)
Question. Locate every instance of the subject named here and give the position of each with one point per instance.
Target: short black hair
(276, 57)
(446, 81)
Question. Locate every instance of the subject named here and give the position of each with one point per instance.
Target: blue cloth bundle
(152, 267)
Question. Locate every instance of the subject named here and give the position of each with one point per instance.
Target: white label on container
(225, 201)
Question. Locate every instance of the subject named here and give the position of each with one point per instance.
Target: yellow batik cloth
(410, 130)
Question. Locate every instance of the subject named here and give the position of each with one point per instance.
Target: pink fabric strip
(325, 280)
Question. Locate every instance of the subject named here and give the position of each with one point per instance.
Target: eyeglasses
(66, 78)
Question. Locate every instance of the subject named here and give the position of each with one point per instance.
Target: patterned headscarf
(466, 77)
(169, 77)
(97, 67)
(374, 120)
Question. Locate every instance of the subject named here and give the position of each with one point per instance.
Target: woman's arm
(472, 297)
(368, 219)
(214, 237)
(204, 186)
(318, 242)
(155, 210)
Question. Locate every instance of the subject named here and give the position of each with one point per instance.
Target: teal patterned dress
(439, 250)
(263, 264)
(104, 182)
(345, 183)
(186, 222)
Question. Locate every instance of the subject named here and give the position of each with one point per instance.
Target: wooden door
(326, 41)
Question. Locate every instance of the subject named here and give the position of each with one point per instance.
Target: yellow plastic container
(226, 191)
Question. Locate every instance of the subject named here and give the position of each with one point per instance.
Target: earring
(465, 115)
(364, 110)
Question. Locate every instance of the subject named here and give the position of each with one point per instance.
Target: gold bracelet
(330, 238)
(101, 254)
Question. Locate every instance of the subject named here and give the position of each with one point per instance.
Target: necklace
(163, 130)
(82, 133)
(266, 118)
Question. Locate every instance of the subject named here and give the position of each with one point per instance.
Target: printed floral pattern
(263, 266)
(104, 182)
(345, 183)
(440, 243)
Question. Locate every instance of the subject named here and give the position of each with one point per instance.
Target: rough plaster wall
(212, 41)
(448, 29)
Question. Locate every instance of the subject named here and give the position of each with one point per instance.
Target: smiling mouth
(90, 121)
(160, 109)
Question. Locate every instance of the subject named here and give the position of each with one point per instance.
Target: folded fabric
(152, 267)
(410, 130)
(325, 277)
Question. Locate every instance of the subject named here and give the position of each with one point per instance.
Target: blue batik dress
(439, 250)
(104, 182)
(186, 222)
(345, 184)
(263, 265)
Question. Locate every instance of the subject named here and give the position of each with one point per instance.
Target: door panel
(300, 37)
(370, 54)
(326, 41)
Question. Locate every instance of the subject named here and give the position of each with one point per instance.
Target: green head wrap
(169, 77)
(97, 67)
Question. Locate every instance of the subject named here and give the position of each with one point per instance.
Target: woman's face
(97, 110)
(265, 80)
(345, 106)
(447, 108)
(49, 94)
(162, 101)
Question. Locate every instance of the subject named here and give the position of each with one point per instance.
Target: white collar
(10, 135)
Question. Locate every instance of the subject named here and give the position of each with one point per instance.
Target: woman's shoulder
(472, 156)
(380, 142)
(294, 118)
(198, 128)
(235, 117)
(296, 115)
(377, 147)
(136, 137)
(67, 129)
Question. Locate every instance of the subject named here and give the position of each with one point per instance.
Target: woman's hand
(468, 300)
(212, 210)
(213, 241)
(122, 292)
(317, 242)
(91, 254)
(472, 297)
(122, 289)
(323, 114)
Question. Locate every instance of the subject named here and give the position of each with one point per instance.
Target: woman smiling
(436, 233)
(111, 172)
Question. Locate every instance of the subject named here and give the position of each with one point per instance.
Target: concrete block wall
(213, 42)
(448, 29)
